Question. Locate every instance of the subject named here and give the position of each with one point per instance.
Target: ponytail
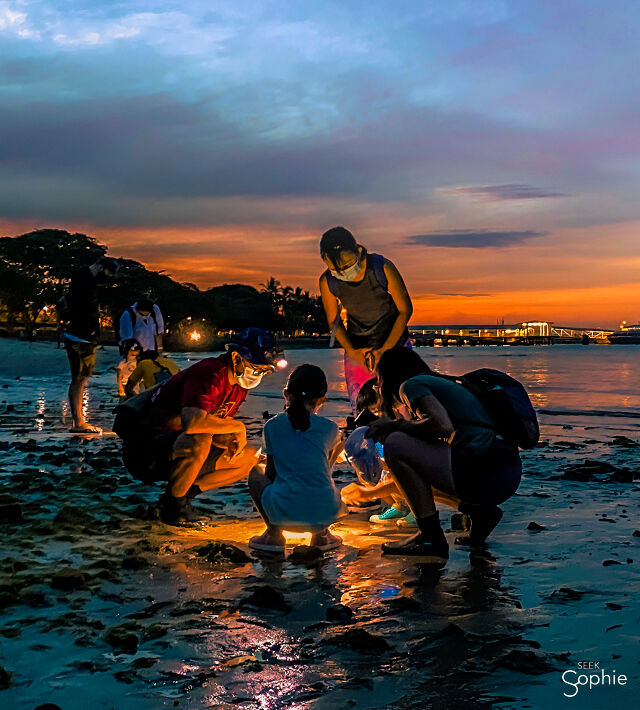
(306, 385)
(298, 414)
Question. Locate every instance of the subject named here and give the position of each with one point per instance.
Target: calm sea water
(594, 385)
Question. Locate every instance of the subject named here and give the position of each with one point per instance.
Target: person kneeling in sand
(449, 443)
(296, 490)
(183, 431)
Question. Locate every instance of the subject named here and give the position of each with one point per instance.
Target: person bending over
(378, 306)
(449, 443)
(152, 369)
(183, 431)
(296, 490)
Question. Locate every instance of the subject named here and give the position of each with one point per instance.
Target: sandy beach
(102, 607)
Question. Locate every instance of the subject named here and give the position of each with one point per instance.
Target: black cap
(335, 240)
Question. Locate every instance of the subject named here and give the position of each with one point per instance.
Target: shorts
(149, 459)
(489, 479)
(82, 358)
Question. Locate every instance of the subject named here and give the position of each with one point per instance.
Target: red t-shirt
(204, 385)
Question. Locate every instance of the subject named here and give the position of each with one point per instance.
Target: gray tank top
(371, 311)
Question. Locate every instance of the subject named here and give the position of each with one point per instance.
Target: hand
(374, 358)
(359, 356)
(237, 444)
(380, 430)
(353, 494)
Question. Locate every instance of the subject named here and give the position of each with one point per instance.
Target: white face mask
(248, 380)
(350, 274)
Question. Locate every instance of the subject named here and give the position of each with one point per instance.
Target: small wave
(590, 413)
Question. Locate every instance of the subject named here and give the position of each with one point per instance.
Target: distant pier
(530, 333)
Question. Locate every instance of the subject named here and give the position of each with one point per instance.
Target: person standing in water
(378, 306)
(81, 335)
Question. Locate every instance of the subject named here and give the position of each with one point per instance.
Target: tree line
(35, 269)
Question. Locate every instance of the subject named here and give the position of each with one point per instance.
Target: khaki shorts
(82, 358)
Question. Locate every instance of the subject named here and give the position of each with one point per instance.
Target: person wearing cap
(378, 306)
(81, 334)
(183, 431)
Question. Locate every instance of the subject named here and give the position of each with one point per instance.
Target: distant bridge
(529, 333)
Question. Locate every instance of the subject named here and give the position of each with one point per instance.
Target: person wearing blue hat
(183, 431)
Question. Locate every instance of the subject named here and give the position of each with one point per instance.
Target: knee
(256, 476)
(192, 445)
(394, 446)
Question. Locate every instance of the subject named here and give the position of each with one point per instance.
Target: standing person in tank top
(371, 290)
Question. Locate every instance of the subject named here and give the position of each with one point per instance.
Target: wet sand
(102, 607)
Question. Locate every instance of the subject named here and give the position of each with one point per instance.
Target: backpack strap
(332, 283)
(132, 314)
(377, 261)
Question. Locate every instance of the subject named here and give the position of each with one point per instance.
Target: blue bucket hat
(257, 346)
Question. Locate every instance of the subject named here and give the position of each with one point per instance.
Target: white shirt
(144, 329)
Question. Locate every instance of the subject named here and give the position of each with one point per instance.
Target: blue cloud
(460, 238)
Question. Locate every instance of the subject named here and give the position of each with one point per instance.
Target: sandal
(86, 429)
(267, 543)
(325, 541)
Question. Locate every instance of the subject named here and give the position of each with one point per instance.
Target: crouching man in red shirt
(184, 432)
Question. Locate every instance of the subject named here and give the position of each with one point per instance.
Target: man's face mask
(350, 274)
(250, 379)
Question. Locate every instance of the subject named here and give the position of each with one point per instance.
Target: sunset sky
(489, 148)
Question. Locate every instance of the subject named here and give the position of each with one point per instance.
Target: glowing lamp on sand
(281, 364)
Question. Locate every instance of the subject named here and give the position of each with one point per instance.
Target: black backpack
(508, 404)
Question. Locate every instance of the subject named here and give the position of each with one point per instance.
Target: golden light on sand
(297, 538)
(195, 336)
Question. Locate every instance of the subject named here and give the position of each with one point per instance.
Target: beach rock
(154, 631)
(305, 554)
(460, 522)
(567, 594)
(359, 640)
(622, 475)
(5, 678)
(528, 662)
(400, 605)
(134, 562)
(635, 533)
(340, 613)
(535, 527)
(11, 514)
(68, 579)
(48, 706)
(586, 470)
(219, 553)
(122, 639)
(624, 441)
(266, 597)
(71, 516)
(613, 606)
(144, 662)
(608, 563)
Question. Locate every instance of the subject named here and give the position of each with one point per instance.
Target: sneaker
(326, 541)
(409, 521)
(268, 542)
(483, 521)
(390, 516)
(418, 545)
